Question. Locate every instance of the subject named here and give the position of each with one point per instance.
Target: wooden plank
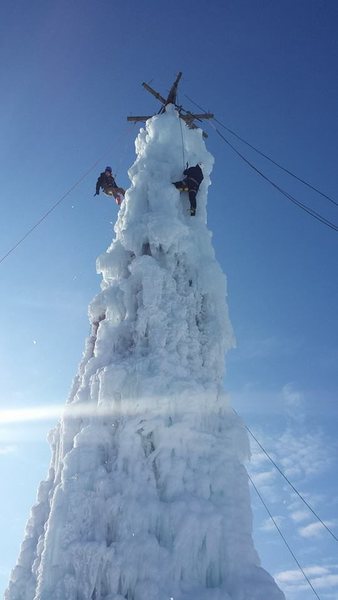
(188, 120)
(171, 99)
(154, 93)
(185, 115)
(138, 118)
(189, 117)
(202, 116)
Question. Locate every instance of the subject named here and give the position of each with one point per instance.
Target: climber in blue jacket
(191, 183)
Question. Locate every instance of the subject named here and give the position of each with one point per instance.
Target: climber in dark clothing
(191, 183)
(107, 182)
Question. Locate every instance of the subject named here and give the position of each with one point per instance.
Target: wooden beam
(188, 118)
(154, 93)
(191, 117)
(138, 118)
(185, 115)
(171, 99)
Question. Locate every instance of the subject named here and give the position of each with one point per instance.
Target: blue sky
(70, 73)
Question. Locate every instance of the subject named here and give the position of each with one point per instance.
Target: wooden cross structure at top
(186, 115)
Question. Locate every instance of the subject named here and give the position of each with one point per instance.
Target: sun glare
(33, 413)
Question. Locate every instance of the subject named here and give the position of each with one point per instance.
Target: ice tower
(147, 497)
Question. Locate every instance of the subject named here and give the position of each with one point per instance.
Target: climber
(107, 182)
(191, 184)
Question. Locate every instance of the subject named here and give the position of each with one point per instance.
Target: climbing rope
(289, 196)
(55, 205)
(283, 537)
(269, 512)
(309, 185)
(182, 139)
(48, 212)
(288, 481)
(241, 139)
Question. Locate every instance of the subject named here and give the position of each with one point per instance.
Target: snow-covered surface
(147, 497)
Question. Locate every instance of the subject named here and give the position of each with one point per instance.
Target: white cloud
(298, 451)
(293, 398)
(300, 515)
(303, 454)
(324, 577)
(298, 455)
(325, 582)
(314, 529)
(268, 525)
(258, 459)
(316, 571)
(290, 577)
(263, 478)
(8, 449)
